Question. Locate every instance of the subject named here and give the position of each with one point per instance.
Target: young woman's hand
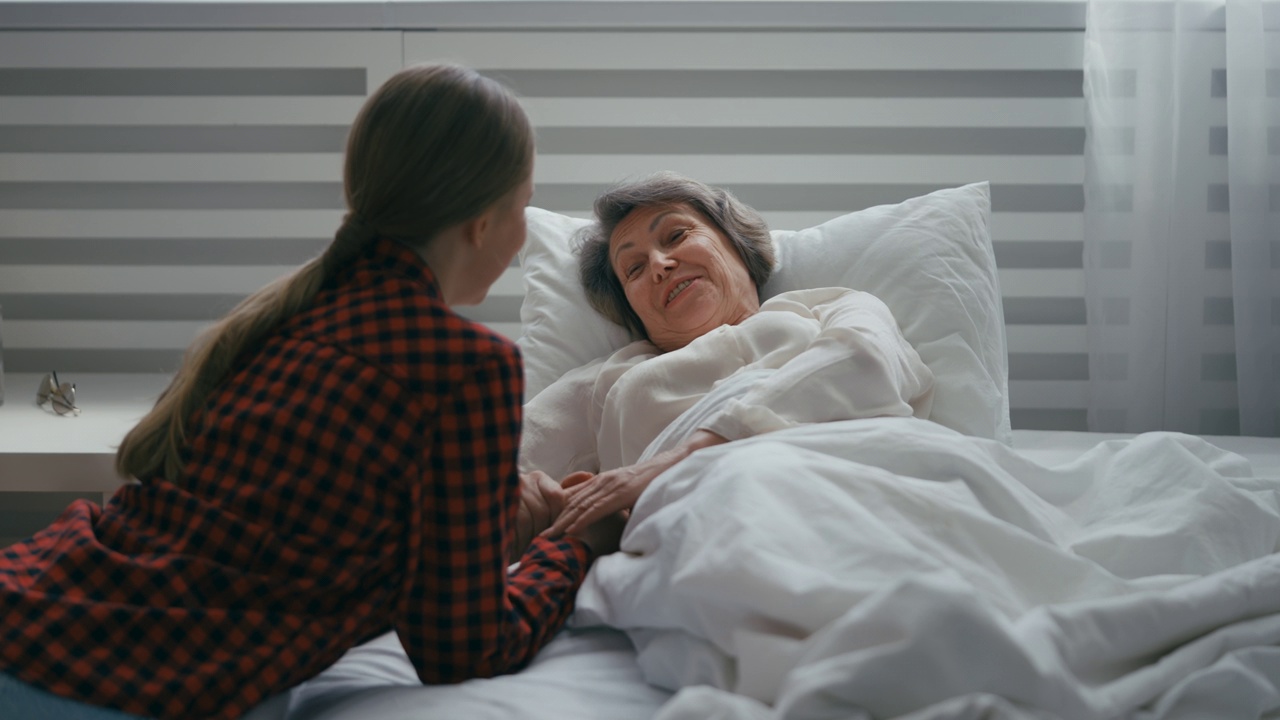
(541, 501)
(592, 499)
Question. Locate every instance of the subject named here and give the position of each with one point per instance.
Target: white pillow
(561, 330)
(929, 259)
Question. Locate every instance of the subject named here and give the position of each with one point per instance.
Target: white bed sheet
(1051, 447)
(585, 674)
(590, 673)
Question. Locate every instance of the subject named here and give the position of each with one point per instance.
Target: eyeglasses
(62, 396)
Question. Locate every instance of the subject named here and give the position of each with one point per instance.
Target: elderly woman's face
(680, 273)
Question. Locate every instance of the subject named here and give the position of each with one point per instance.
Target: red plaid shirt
(358, 474)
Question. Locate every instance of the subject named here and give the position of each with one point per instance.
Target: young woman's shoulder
(445, 350)
(409, 334)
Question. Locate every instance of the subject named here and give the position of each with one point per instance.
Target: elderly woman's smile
(679, 288)
(680, 274)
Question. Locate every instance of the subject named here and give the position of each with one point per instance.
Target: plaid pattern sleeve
(461, 615)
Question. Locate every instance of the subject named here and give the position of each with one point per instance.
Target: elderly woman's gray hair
(746, 230)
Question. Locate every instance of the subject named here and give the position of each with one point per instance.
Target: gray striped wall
(149, 180)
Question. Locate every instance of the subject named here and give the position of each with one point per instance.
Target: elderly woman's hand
(595, 498)
(541, 500)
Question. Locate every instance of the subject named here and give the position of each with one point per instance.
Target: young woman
(335, 458)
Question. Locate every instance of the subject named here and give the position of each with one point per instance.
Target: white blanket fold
(892, 568)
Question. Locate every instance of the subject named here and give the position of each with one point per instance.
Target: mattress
(589, 673)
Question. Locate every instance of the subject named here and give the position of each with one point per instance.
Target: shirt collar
(392, 256)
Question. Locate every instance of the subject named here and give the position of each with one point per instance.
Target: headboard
(151, 178)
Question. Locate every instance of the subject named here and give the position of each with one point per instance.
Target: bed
(891, 567)
(586, 673)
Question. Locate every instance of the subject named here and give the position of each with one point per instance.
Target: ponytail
(153, 447)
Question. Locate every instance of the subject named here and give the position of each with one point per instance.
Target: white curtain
(1182, 215)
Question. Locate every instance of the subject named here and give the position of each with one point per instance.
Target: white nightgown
(826, 354)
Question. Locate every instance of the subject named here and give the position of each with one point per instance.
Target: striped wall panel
(150, 180)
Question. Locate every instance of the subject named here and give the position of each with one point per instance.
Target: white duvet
(892, 568)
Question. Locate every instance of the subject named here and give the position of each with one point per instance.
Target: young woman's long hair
(435, 145)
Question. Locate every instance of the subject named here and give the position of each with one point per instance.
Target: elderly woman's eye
(678, 234)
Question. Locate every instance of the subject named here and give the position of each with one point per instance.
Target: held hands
(591, 499)
(595, 498)
(603, 535)
(541, 500)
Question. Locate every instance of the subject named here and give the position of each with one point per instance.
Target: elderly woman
(681, 265)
